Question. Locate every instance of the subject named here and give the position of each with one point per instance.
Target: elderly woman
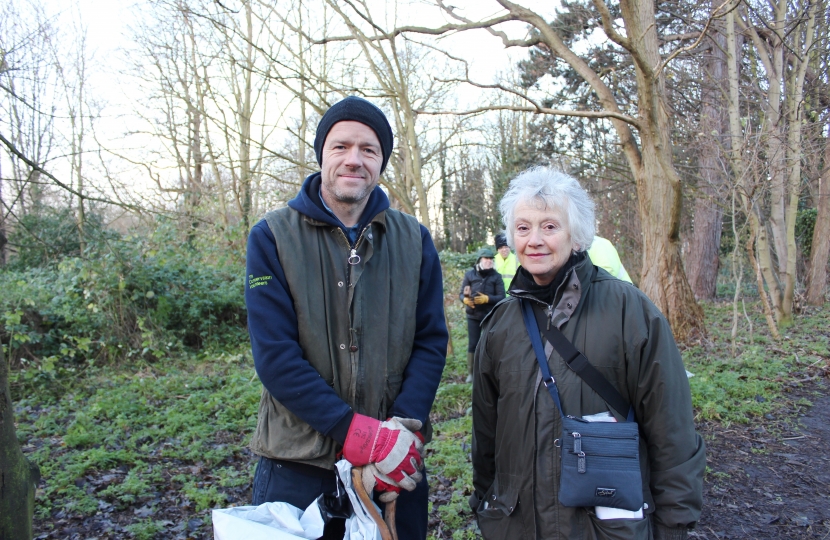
(549, 221)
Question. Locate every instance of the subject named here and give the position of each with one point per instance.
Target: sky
(107, 24)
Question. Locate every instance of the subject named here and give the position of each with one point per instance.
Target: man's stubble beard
(346, 197)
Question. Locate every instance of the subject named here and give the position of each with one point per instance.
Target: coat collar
(569, 289)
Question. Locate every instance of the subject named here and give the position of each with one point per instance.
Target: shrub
(46, 235)
(131, 297)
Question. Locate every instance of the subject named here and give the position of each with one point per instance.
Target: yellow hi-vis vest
(604, 254)
(506, 267)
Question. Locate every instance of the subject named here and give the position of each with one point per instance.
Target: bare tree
(648, 152)
(819, 81)
(208, 83)
(817, 277)
(702, 260)
(71, 62)
(28, 104)
(782, 35)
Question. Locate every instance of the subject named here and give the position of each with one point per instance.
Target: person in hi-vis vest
(505, 261)
(604, 254)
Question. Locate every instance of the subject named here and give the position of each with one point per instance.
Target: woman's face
(485, 263)
(542, 238)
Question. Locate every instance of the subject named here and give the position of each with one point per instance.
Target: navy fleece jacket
(272, 324)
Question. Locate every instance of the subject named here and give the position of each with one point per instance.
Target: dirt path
(770, 480)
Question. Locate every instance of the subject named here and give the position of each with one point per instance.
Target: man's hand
(469, 302)
(374, 479)
(481, 298)
(392, 446)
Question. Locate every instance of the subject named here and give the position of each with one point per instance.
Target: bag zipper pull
(580, 460)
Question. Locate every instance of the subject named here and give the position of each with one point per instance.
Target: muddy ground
(766, 480)
(770, 479)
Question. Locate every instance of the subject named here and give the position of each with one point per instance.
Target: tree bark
(817, 276)
(702, 261)
(17, 477)
(659, 189)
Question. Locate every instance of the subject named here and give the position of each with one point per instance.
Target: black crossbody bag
(600, 460)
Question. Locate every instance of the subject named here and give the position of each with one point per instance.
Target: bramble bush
(128, 297)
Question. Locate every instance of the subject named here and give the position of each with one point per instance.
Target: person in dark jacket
(481, 289)
(345, 313)
(516, 448)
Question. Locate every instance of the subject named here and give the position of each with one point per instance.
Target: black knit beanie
(359, 110)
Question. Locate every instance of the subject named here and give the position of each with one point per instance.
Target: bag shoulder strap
(579, 363)
(533, 330)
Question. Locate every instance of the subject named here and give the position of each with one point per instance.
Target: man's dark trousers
(278, 481)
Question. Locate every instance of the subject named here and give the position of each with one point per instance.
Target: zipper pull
(354, 258)
(549, 313)
(578, 419)
(580, 460)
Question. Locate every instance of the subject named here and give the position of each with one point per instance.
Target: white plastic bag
(360, 526)
(282, 521)
(269, 521)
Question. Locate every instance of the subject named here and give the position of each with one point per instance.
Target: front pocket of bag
(617, 529)
(600, 469)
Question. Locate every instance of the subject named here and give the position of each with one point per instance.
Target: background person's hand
(469, 302)
(481, 298)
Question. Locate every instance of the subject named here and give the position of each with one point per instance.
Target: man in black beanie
(346, 317)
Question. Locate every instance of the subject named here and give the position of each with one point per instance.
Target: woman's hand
(469, 302)
(481, 298)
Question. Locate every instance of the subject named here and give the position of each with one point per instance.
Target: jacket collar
(308, 203)
(569, 286)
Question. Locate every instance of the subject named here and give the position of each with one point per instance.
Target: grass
(134, 438)
(757, 380)
(126, 438)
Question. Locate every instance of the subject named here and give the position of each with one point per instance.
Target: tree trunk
(663, 278)
(702, 261)
(3, 240)
(742, 185)
(659, 189)
(17, 477)
(817, 277)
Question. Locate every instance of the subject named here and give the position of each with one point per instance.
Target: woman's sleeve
(464, 283)
(663, 404)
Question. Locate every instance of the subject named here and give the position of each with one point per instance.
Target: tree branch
(715, 15)
(13, 149)
(537, 110)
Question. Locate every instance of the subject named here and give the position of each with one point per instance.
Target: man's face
(351, 159)
(504, 251)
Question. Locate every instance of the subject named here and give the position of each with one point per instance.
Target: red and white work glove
(392, 446)
(373, 479)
